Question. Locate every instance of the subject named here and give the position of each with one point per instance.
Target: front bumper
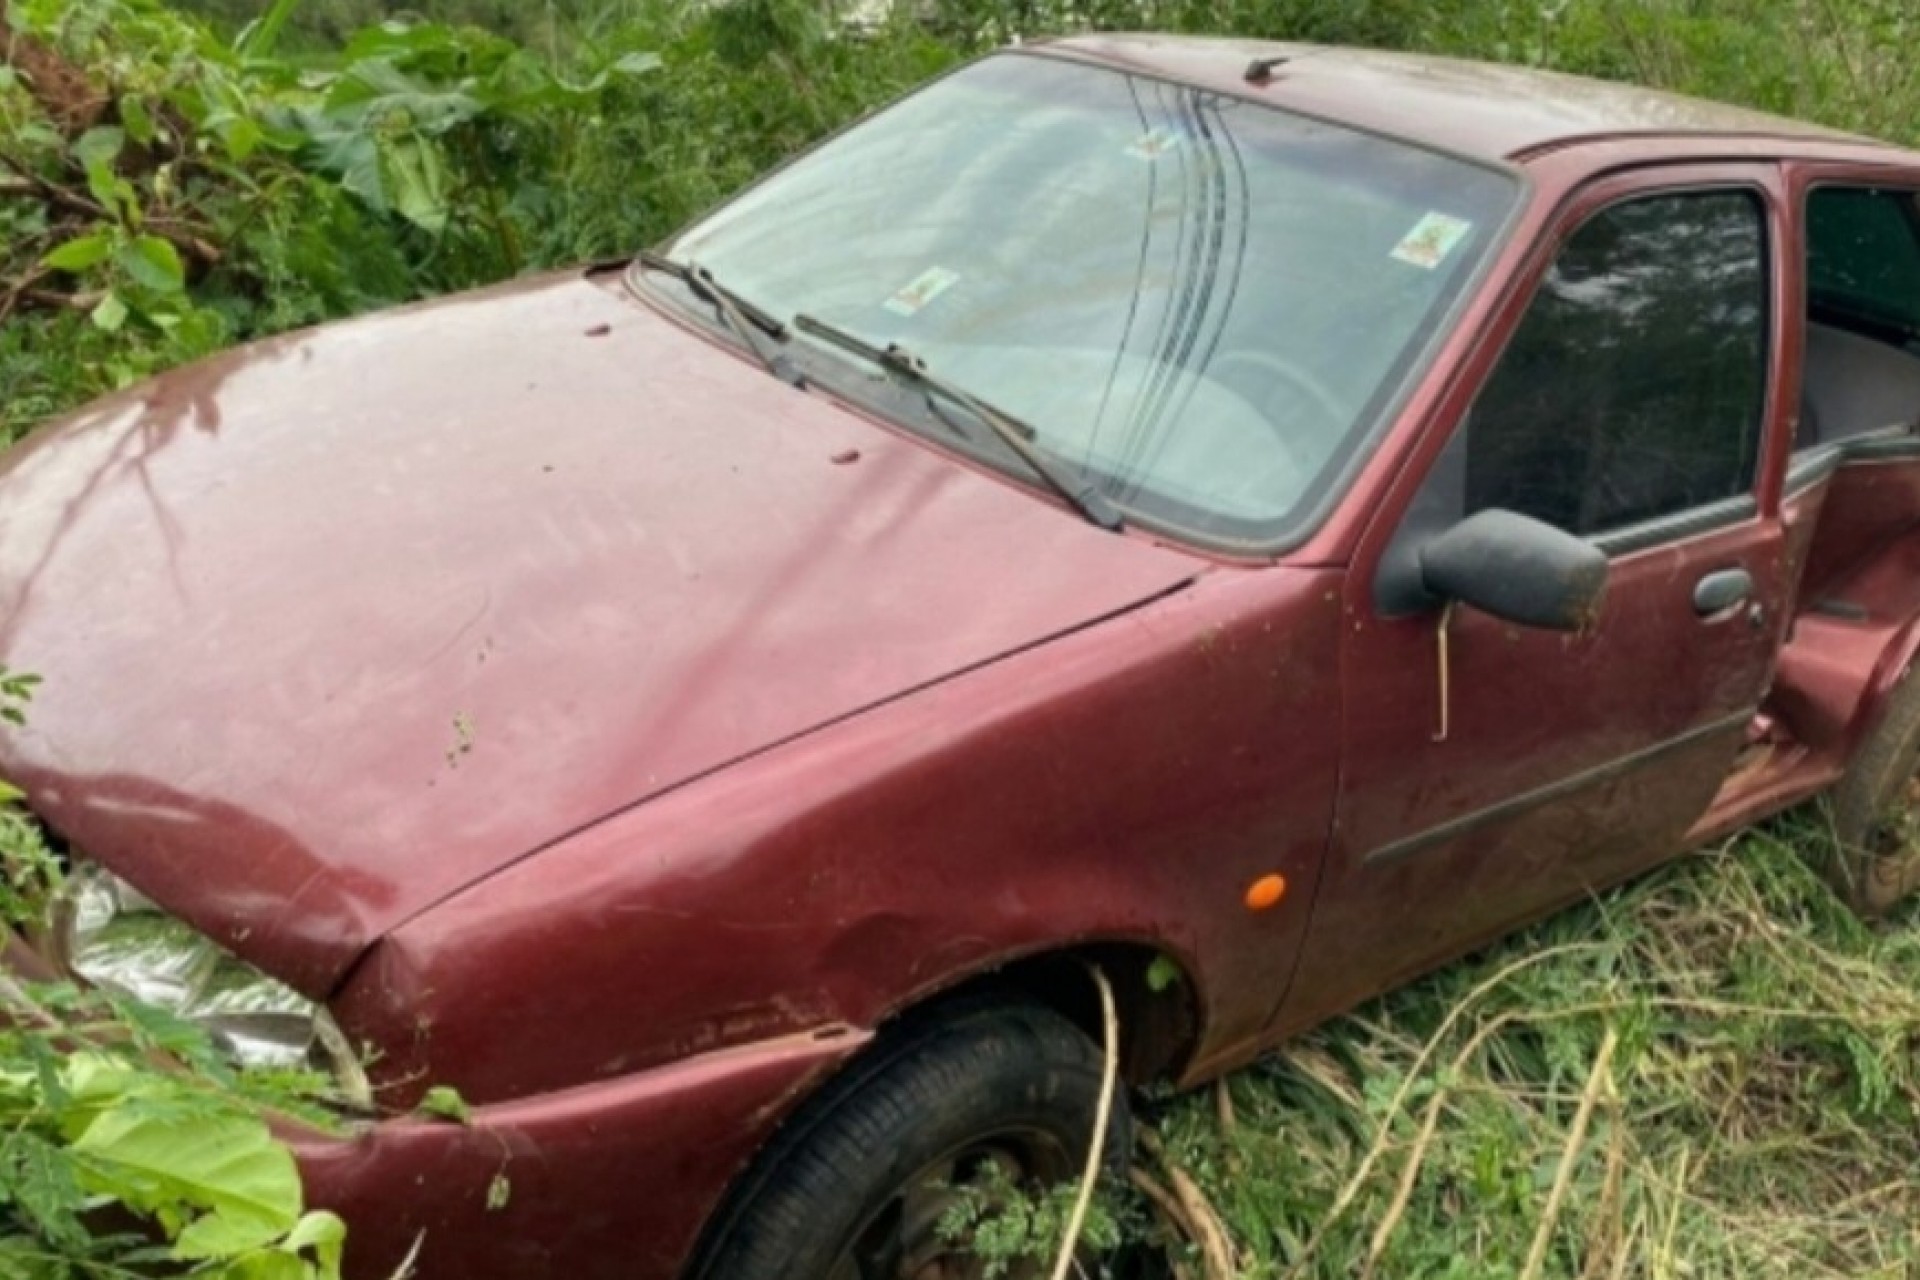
(608, 1181)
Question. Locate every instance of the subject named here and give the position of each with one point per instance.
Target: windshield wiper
(735, 311)
(1017, 435)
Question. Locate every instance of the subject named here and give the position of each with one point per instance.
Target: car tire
(850, 1187)
(1876, 812)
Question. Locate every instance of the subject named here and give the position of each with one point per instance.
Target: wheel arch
(1157, 1002)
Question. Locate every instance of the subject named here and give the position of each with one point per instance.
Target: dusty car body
(599, 724)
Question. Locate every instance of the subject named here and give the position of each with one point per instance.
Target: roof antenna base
(1260, 70)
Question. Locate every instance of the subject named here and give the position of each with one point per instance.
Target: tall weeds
(1759, 1114)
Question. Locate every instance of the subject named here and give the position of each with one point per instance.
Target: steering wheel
(1305, 386)
(1286, 371)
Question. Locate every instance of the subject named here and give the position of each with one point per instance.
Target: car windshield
(1201, 303)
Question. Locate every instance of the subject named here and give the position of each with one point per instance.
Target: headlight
(110, 935)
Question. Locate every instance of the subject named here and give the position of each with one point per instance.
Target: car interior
(1861, 375)
(1855, 386)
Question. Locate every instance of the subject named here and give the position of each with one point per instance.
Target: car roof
(1486, 110)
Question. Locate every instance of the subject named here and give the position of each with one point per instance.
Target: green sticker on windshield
(927, 286)
(1431, 240)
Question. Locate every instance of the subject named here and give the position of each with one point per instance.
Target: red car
(1257, 520)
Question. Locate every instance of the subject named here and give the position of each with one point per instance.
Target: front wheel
(1876, 812)
(968, 1100)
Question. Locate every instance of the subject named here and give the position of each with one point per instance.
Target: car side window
(1863, 259)
(1635, 385)
(1860, 378)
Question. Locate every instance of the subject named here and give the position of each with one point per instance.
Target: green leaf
(156, 1029)
(153, 263)
(97, 150)
(137, 119)
(445, 1102)
(323, 1235)
(80, 254)
(100, 146)
(1163, 974)
(226, 1165)
(111, 315)
(41, 136)
(47, 1065)
(376, 94)
(266, 1265)
(241, 136)
(262, 36)
(636, 64)
(414, 40)
(24, 1258)
(349, 153)
(40, 1182)
(416, 182)
(108, 191)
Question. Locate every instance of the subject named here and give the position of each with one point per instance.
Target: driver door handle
(1720, 591)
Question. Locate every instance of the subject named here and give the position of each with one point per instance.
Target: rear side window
(1863, 259)
(1635, 386)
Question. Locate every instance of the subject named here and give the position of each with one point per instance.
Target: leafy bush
(166, 194)
(114, 1165)
(130, 1147)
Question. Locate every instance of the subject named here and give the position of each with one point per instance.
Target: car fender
(1127, 783)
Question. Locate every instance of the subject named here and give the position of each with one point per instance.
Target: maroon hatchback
(1252, 521)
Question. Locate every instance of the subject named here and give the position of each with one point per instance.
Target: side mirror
(1519, 569)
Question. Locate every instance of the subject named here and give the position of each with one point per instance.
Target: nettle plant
(128, 1146)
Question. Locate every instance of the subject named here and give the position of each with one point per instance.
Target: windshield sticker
(1431, 240)
(1154, 143)
(927, 286)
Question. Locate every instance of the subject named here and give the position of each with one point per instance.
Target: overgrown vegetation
(1712, 1073)
(110, 1108)
(164, 193)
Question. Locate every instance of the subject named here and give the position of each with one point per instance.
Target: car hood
(334, 626)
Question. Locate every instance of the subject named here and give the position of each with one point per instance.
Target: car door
(1493, 777)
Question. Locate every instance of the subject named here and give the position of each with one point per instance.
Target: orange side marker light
(1265, 893)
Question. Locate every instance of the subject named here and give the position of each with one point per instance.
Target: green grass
(1748, 1049)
